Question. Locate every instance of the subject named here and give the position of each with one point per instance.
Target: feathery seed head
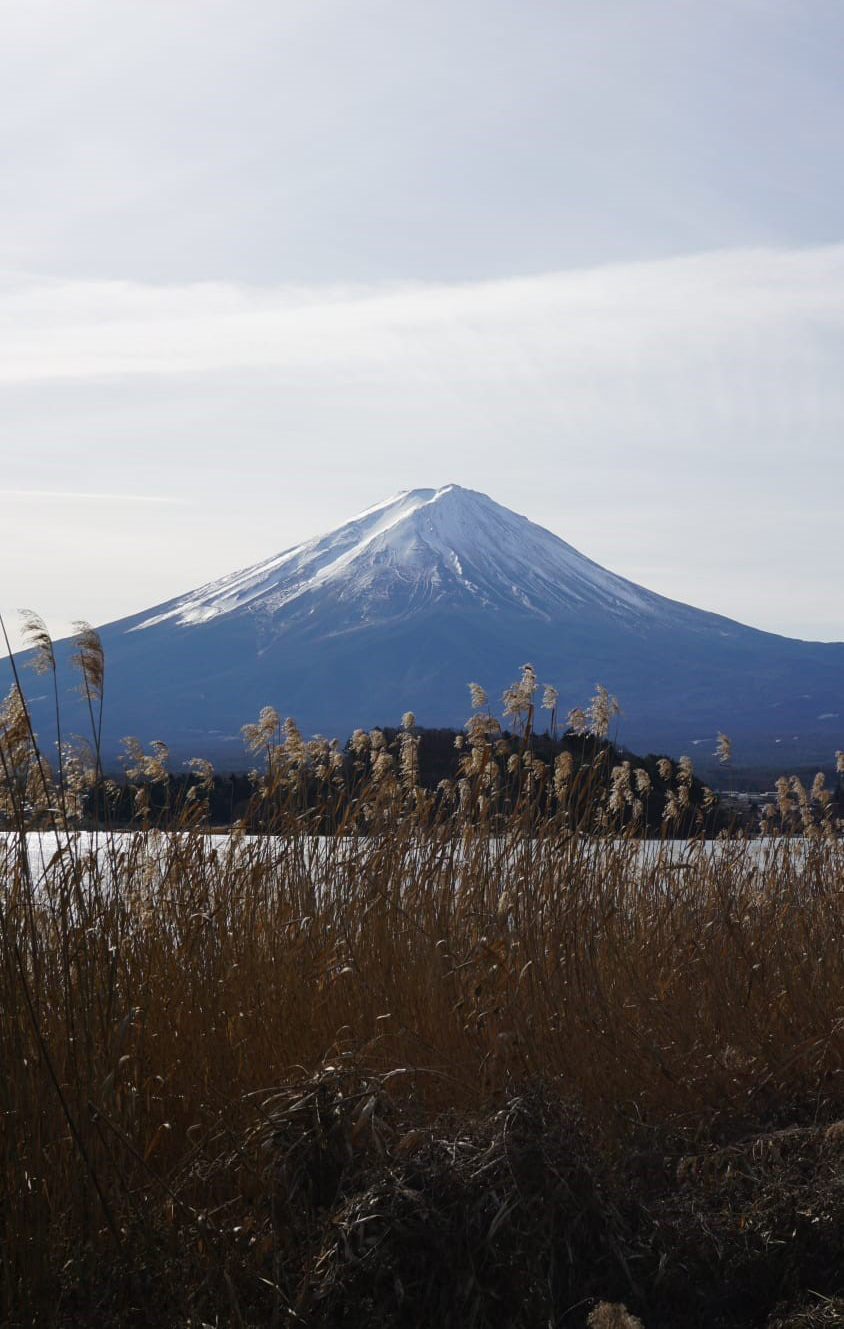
(799, 791)
(268, 719)
(672, 807)
(549, 697)
(318, 748)
(563, 767)
(89, 659)
(156, 762)
(474, 762)
(479, 729)
(382, 765)
(295, 749)
(148, 767)
(38, 639)
(601, 710)
(260, 734)
(203, 770)
(723, 748)
(478, 696)
(133, 757)
(643, 781)
(622, 790)
(251, 740)
(14, 724)
(577, 721)
(518, 698)
(409, 760)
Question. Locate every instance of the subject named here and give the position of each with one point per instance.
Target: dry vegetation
(480, 1056)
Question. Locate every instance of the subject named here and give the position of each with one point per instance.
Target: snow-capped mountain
(405, 604)
(417, 548)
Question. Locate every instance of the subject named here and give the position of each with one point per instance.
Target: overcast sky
(265, 262)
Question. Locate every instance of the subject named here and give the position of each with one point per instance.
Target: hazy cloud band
(618, 317)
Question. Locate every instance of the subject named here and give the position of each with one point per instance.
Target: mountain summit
(410, 600)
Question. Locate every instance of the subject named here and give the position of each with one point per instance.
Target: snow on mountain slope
(418, 547)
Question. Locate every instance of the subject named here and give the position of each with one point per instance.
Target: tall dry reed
(512, 928)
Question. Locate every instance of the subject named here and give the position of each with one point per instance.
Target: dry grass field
(476, 1056)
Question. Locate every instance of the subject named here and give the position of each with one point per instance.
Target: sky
(264, 263)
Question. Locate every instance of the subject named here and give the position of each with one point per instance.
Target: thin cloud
(86, 496)
(619, 317)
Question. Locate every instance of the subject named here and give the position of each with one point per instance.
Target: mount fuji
(410, 600)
